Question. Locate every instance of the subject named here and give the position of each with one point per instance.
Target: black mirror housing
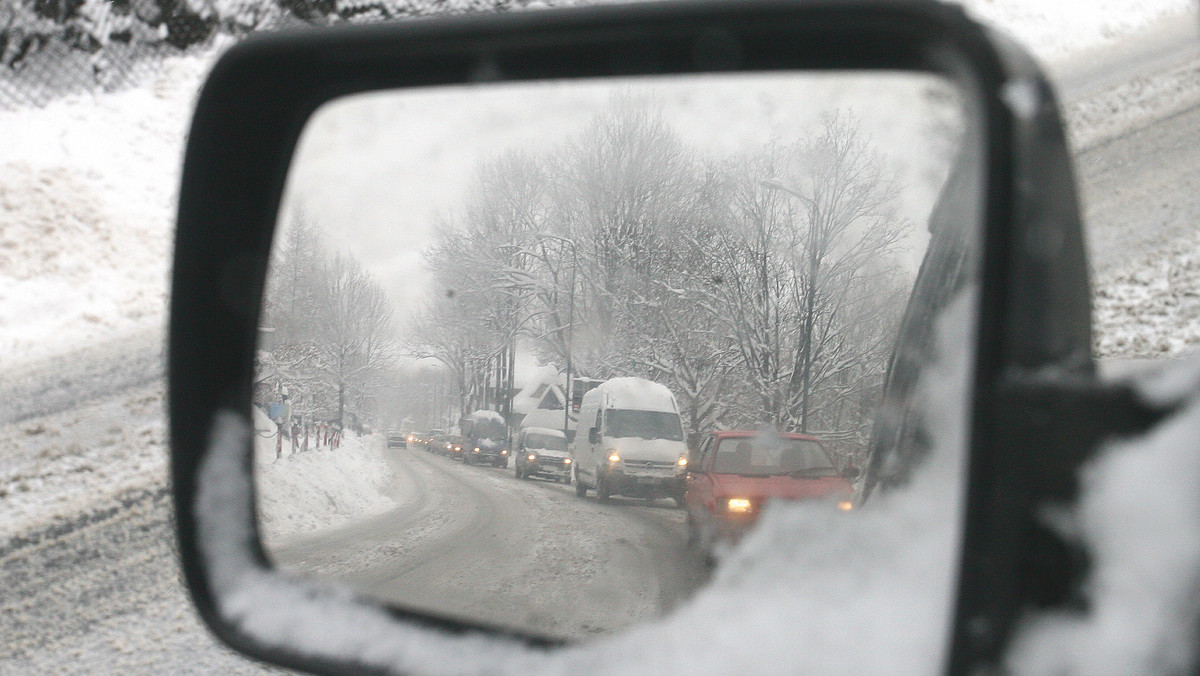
(246, 126)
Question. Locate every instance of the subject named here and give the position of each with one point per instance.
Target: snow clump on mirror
(1140, 513)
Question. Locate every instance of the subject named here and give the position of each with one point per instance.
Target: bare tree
(759, 288)
(354, 328)
(852, 222)
(332, 337)
(813, 229)
(622, 190)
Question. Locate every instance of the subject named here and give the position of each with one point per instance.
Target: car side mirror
(1004, 235)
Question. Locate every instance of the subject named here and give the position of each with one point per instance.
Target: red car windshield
(755, 456)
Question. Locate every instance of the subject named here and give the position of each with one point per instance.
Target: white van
(630, 441)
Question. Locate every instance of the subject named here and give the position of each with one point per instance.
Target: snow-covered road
(101, 594)
(1142, 204)
(478, 542)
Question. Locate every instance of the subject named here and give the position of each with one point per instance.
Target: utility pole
(811, 295)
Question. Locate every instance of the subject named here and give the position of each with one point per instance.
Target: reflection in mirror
(541, 354)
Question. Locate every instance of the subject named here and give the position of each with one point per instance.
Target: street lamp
(776, 184)
(570, 325)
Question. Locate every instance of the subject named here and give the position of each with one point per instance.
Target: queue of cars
(450, 445)
(630, 442)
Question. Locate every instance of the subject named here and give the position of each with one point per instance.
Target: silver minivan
(630, 441)
(542, 451)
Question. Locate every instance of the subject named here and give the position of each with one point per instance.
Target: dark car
(734, 473)
(445, 444)
(541, 451)
(452, 445)
(485, 439)
(425, 439)
(397, 439)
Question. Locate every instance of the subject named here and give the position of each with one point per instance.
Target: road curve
(477, 542)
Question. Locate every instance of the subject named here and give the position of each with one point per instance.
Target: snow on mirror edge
(460, 243)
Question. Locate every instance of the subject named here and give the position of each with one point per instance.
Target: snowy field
(86, 196)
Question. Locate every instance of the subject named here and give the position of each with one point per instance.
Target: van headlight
(613, 456)
(531, 456)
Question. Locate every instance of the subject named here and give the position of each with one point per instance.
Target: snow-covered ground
(58, 466)
(86, 214)
(87, 192)
(1150, 306)
(1057, 30)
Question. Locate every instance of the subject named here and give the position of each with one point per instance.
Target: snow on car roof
(545, 430)
(481, 415)
(638, 394)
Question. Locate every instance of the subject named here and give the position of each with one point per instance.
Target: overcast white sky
(376, 172)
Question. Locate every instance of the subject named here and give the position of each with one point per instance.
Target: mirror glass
(543, 354)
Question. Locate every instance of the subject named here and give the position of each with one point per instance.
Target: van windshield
(546, 442)
(644, 424)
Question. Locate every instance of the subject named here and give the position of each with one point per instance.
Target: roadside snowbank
(319, 488)
(87, 194)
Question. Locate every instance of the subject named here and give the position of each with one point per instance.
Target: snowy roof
(531, 394)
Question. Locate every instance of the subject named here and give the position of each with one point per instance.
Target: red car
(732, 474)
